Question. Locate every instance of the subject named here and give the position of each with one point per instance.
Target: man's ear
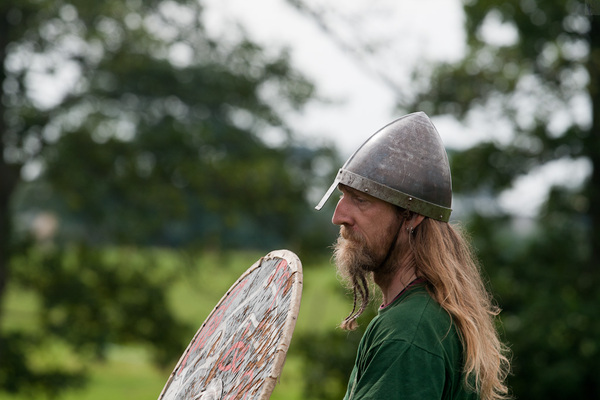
(415, 220)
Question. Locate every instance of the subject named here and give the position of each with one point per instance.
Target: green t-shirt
(410, 350)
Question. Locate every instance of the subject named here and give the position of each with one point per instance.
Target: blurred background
(151, 151)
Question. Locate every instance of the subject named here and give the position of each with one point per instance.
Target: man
(434, 335)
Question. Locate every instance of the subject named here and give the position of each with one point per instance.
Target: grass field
(127, 372)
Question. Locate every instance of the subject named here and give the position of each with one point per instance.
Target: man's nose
(341, 215)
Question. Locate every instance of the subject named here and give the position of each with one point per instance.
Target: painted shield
(239, 350)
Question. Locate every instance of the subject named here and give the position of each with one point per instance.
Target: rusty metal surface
(239, 350)
(404, 163)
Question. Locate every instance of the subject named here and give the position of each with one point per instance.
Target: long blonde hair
(446, 260)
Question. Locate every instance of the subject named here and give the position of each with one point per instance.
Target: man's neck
(391, 284)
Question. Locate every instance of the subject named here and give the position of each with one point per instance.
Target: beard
(356, 261)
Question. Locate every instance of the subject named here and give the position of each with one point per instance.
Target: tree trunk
(592, 273)
(6, 189)
(8, 173)
(594, 140)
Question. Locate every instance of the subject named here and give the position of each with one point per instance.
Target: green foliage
(147, 148)
(543, 269)
(547, 292)
(329, 357)
(88, 300)
(97, 289)
(17, 376)
(530, 80)
(133, 126)
(199, 280)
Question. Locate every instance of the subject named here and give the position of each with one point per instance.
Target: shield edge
(295, 266)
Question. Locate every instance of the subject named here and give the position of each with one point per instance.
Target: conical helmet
(405, 164)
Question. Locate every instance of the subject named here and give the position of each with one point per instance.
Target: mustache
(349, 234)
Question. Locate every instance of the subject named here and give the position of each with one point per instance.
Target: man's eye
(360, 199)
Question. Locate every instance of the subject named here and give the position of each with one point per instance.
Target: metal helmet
(405, 164)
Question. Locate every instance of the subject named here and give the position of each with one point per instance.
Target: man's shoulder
(415, 308)
(416, 319)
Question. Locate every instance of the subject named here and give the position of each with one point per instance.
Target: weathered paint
(239, 350)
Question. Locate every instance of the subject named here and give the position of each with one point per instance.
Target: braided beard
(356, 260)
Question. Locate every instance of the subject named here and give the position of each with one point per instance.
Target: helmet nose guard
(405, 164)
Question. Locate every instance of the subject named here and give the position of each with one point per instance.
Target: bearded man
(434, 335)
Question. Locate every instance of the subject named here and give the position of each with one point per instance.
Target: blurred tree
(135, 126)
(90, 300)
(529, 83)
(532, 73)
(329, 358)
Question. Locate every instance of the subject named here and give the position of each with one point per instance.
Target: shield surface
(238, 352)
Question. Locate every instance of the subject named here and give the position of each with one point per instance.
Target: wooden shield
(239, 350)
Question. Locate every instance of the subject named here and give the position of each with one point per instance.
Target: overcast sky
(403, 33)
(406, 32)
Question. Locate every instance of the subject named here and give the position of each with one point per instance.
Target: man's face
(368, 228)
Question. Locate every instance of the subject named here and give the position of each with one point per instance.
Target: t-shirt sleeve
(398, 370)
